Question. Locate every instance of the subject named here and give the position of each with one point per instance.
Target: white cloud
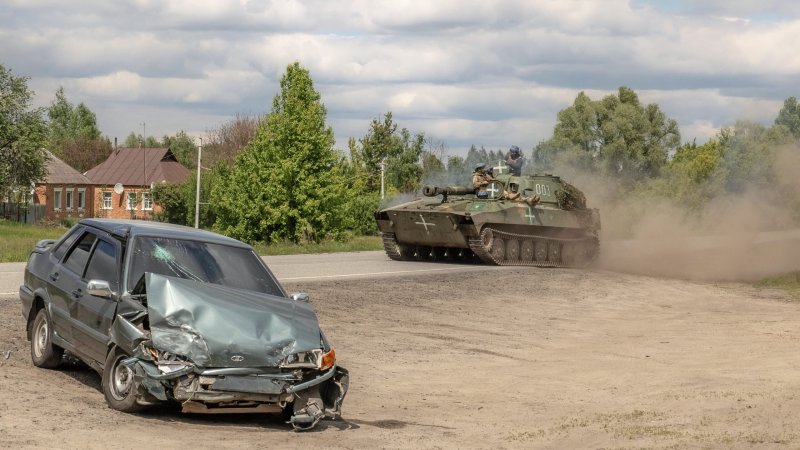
(487, 73)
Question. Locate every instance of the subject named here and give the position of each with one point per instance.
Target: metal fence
(22, 212)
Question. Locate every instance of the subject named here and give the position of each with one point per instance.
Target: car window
(201, 261)
(59, 251)
(77, 257)
(103, 264)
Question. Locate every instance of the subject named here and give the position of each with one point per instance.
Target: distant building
(136, 170)
(64, 192)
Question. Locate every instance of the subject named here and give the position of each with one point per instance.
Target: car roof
(129, 228)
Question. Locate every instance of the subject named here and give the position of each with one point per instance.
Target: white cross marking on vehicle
(530, 215)
(493, 190)
(425, 224)
(500, 167)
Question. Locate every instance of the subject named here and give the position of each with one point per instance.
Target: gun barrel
(432, 191)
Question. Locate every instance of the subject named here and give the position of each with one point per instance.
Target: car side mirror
(99, 288)
(300, 297)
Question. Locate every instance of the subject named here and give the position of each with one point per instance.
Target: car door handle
(54, 276)
(77, 293)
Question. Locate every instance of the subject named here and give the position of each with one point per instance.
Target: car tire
(119, 386)
(44, 353)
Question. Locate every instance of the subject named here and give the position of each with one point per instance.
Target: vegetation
(22, 137)
(789, 282)
(19, 239)
(278, 179)
(289, 182)
(73, 135)
(353, 244)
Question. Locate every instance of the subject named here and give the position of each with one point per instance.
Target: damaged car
(167, 313)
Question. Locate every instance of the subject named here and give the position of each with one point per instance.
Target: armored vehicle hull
(556, 231)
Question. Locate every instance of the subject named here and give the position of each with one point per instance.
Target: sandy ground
(528, 358)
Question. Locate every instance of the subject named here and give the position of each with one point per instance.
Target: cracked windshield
(200, 261)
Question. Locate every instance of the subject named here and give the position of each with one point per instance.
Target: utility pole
(383, 170)
(197, 191)
(144, 165)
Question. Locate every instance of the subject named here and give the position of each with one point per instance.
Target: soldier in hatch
(514, 160)
(481, 177)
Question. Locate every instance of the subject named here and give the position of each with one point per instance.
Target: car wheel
(119, 386)
(43, 352)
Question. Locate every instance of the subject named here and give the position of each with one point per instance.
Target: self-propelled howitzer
(453, 224)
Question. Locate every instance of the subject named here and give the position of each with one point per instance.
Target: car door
(95, 314)
(67, 286)
(57, 298)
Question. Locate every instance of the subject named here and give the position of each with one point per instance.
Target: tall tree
(288, 183)
(73, 135)
(22, 137)
(397, 148)
(616, 135)
(226, 141)
(789, 116)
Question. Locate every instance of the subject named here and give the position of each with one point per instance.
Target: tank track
(481, 250)
(484, 247)
(391, 247)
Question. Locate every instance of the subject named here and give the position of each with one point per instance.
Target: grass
(17, 240)
(354, 244)
(789, 282)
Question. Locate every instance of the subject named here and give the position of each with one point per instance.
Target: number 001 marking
(542, 189)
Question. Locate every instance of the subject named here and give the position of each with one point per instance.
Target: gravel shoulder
(518, 358)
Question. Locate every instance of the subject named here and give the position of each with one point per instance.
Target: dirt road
(525, 358)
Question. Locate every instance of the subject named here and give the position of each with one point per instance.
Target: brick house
(65, 192)
(136, 170)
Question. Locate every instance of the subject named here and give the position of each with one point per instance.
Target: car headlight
(313, 359)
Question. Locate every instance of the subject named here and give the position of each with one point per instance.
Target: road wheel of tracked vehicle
(406, 251)
(569, 253)
(423, 253)
(526, 250)
(554, 252)
(44, 353)
(512, 249)
(498, 249)
(439, 254)
(119, 386)
(540, 250)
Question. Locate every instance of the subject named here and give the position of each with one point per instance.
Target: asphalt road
(314, 267)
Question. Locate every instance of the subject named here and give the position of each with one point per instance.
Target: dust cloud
(740, 237)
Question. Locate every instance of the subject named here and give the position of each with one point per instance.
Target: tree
(226, 141)
(137, 140)
(399, 149)
(789, 116)
(22, 137)
(183, 147)
(616, 135)
(73, 136)
(289, 182)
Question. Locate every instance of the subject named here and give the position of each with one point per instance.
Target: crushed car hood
(219, 326)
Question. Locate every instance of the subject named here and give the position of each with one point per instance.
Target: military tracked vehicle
(454, 224)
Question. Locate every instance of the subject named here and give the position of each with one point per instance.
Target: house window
(132, 200)
(147, 201)
(69, 199)
(81, 198)
(106, 200)
(57, 199)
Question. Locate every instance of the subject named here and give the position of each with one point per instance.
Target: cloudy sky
(492, 73)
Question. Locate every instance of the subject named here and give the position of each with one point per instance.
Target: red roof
(139, 167)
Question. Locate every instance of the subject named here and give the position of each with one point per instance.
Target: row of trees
(279, 177)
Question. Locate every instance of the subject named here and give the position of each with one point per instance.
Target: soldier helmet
(514, 150)
(479, 167)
